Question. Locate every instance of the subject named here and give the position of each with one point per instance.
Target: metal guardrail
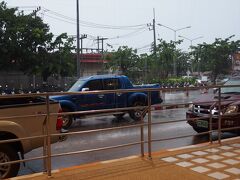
(46, 136)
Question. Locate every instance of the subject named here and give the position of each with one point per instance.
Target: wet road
(80, 142)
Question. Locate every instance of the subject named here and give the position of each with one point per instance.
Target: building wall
(88, 69)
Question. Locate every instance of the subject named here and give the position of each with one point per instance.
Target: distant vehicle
(84, 102)
(230, 107)
(19, 126)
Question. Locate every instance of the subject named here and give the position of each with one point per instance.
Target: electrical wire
(59, 19)
(134, 33)
(140, 28)
(24, 7)
(91, 24)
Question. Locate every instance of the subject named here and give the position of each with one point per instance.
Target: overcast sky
(208, 18)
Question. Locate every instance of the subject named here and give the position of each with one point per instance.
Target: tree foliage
(215, 57)
(125, 60)
(149, 67)
(27, 45)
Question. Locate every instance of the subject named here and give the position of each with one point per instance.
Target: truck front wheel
(67, 119)
(7, 153)
(136, 114)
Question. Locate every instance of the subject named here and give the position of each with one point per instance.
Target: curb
(164, 107)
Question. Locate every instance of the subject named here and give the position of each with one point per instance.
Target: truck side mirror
(85, 89)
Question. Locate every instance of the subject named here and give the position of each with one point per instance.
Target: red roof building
(91, 64)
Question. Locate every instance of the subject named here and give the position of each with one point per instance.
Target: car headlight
(190, 107)
(231, 109)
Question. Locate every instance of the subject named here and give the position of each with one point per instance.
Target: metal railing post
(149, 127)
(49, 162)
(219, 115)
(45, 144)
(187, 91)
(142, 136)
(210, 126)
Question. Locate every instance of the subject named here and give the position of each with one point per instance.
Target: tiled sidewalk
(219, 162)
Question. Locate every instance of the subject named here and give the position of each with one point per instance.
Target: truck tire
(7, 153)
(199, 130)
(67, 119)
(136, 113)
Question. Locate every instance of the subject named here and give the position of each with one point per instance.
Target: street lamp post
(175, 39)
(191, 43)
(191, 40)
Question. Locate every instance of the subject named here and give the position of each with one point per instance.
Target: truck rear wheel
(137, 113)
(67, 119)
(7, 153)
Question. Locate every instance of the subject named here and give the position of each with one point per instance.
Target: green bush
(173, 81)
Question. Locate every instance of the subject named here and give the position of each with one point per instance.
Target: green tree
(125, 60)
(57, 59)
(8, 40)
(21, 38)
(215, 57)
(27, 45)
(183, 63)
(162, 65)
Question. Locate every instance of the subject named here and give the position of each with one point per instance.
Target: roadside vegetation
(27, 45)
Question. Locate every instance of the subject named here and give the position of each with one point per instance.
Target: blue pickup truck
(88, 101)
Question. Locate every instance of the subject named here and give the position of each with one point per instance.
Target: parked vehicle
(230, 108)
(84, 102)
(14, 124)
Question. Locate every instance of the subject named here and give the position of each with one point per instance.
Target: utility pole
(98, 41)
(154, 34)
(78, 43)
(80, 58)
(34, 13)
(152, 27)
(83, 36)
(102, 39)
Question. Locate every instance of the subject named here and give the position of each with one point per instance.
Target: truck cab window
(94, 85)
(111, 84)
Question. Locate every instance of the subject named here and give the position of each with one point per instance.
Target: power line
(70, 20)
(134, 33)
(140, 28)
(24, 7)
(91, 24)
(60, 19)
